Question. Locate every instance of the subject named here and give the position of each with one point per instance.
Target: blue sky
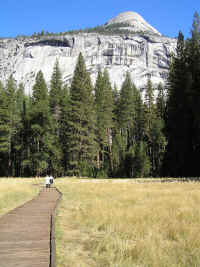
(29, 16)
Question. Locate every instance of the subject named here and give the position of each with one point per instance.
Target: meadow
(119, 223)
(15, 192)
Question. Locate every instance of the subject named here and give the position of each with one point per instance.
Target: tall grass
(15, 192)
(125, 224)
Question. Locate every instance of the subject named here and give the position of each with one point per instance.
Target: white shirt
(47, 180)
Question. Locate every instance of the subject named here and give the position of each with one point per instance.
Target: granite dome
(144, 53)
(134, 20)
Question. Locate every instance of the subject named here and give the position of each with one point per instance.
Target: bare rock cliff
(145, 54)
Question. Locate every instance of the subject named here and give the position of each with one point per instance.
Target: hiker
(51, 179)
(47, 181)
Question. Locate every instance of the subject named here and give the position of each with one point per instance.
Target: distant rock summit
(134, 22)
(128, 43)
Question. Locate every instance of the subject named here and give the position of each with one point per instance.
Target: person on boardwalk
(51, 179)
(47, 181)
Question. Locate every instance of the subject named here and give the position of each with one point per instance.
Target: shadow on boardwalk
(27, 234)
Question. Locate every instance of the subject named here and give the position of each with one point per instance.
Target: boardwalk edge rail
(52, 262)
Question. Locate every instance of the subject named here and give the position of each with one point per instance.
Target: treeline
(183, 107)
(80, 130)
(99, 131)
(116, 28)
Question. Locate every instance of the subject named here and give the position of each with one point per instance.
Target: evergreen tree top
(40, 90)
(195, 31)
(55, 88)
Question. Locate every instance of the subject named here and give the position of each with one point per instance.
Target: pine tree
(178, 117)
(149, 109)
(139, 122)
(13, 122)
(159, 141)
(161, 102)
(63, 134)
(116, 98)
(20, 97)
(101, 133)
(193, 96)
(18, 140)
(126, 112)
(104, 107)
(26, 139)
(195, 31)
(117, 146)
(108, 108)
(150, 117)
(4, 132)
(182, 112)
(55, 91)
(41, 128)
(141, 166)
(55, 99)
(81, 122)
(127, 120)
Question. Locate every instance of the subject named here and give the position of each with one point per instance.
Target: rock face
(144, 55)
(135, 22)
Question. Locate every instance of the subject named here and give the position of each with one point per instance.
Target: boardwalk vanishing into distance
(27, 232)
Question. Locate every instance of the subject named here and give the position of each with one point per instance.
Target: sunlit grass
(119, 223)
(15, 192)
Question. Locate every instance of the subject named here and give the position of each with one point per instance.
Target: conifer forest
(99, 130)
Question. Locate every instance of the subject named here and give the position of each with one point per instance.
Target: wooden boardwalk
(25, 232)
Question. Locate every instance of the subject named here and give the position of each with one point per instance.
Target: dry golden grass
(15, 192)
(119, 223)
